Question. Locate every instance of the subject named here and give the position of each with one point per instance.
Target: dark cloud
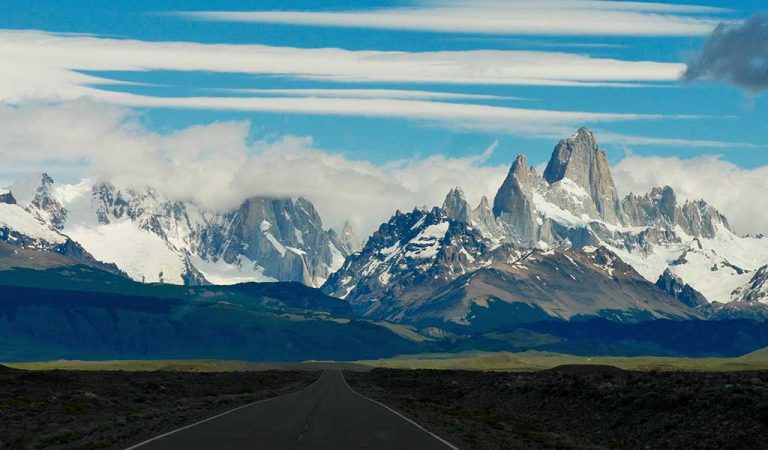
(735, 54)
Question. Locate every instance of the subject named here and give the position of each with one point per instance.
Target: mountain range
(561, 245)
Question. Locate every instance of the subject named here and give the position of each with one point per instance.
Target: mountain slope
(154, 239)
(91, 314)
(574, 208)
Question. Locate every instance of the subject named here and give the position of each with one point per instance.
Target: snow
(139, 253)
(469, 257)
(570, 259)
(275, 243)
(557, 214)
(265, 226)
(391, 249)
(24, 191)
(576, 192)
(723, 250)
(426, 244)
(419, 223)
(17, 219)
(337, 259)
(297, 251)
(222, 273)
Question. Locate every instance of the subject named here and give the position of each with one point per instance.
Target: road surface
(325, 415)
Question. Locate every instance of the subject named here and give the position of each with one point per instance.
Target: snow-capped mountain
(687, 249)
(155, 239)
(405, 258)
(425, 267)
(20, 229)
(575, 203)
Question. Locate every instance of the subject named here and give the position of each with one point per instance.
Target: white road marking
(219, 415)
(448, 444)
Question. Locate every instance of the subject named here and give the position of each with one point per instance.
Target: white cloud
(532, 122)
(39, 65)
(372, 93)
(737, 192)
(511, 17)
(217, 166)
(627, 139)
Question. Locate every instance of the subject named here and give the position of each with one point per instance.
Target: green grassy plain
(196, 365)
(532, 361)
(502, 361)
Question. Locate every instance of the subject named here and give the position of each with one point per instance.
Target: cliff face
(580, 160)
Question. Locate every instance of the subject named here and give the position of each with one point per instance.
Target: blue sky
(646, 112)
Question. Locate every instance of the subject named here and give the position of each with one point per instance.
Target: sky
(369, 106)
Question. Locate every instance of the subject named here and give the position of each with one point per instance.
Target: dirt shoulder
(114, 409)
(579, 407)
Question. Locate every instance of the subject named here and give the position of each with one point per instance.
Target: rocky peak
(674, 286)
(757, 288)
(7, 197)
(410, 251)
(580, 159)
(513, 203)
(656, 207)
(484, 205)
(456, 206)
(346, 241)
(660, 207)
(44, 203)
(349, 237)
(699, 218)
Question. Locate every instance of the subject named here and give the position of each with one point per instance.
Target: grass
(196, 365)
(533, 360)
(501, 361)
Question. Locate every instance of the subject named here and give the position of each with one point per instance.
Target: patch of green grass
(533, 360)
(499, 361)
(195, 365)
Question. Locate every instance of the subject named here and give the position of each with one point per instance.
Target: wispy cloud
(46, 67)
(371, 93)
(512, 17)
(628, 139)
(41, 65)
(498, 119)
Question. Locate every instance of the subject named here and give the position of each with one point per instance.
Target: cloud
(516, 17)
(627, 139)
(45, 66)
(734, 54)
(458, 116)
(218, 165)
(39, 66)
(371, 93)
(737, 192)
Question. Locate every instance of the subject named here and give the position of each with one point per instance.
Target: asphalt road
(325, 415)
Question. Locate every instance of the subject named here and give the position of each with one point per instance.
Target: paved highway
(325, 415)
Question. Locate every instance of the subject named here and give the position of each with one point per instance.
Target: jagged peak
(456, 193)
(456, 206)
(580, 159)
(46, 179)
(582, 147)
(519, 166)
(484, 204)
(584, 133)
